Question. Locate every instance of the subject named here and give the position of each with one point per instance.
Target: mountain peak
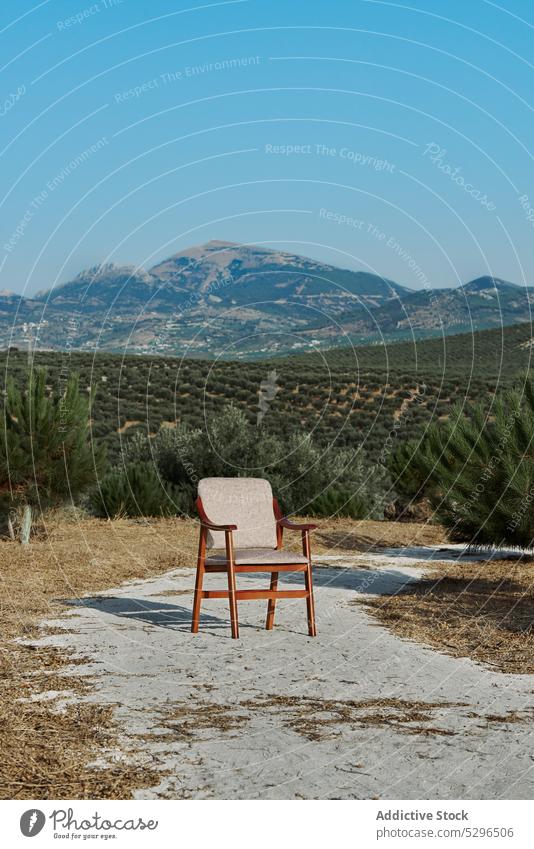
(486, 282)
(217, 257)
(216, 244)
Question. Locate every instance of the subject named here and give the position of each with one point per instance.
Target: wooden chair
(241, 517)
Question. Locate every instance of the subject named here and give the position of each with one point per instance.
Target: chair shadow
(365, 581)
(346, 542)
(349, 541)
(178, 617)
(158, 613)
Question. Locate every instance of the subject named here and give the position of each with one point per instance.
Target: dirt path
(355, 713)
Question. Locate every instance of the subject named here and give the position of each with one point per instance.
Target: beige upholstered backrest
(245, 502)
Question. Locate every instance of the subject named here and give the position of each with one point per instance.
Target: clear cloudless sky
(387, 136)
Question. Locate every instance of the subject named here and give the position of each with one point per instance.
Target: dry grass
(339, 536)
(46, 749)
(320, 719)
(46, 753)
(186, 721)
(313, 718)
(484, 611)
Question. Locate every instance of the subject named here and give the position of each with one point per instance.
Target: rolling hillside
(350, 396)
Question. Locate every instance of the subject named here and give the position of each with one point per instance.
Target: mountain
(491, 286)
(481, 304)
(232, 300)
(245, 272)
(98, 288)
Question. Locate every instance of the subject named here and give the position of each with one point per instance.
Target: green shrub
(46, 454)
(478, 471)
(407, 473)
(135, 489)
(299, 470)
(339, 502)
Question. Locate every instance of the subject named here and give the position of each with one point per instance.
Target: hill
(244, 301)
(353, 396)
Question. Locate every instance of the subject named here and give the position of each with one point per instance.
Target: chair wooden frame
(231, 568)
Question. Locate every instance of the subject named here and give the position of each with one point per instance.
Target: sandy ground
(355, 713)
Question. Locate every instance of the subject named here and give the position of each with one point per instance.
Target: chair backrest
(245, 502)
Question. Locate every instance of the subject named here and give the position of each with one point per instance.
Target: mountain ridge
(229, 299)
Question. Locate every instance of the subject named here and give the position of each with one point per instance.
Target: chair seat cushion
(257, 557)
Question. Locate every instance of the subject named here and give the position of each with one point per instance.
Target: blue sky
(375, 135)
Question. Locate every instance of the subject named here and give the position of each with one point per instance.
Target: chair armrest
(294, 526)
(211, 527)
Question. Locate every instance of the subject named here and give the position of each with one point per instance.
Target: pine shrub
(339, 503)
(477, 469)
(135, 489)
(47, 457)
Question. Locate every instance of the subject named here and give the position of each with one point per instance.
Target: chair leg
(309, 601)
(272, 602)
(199, 580)
(233, 602)
(230, 567)
(197, 599)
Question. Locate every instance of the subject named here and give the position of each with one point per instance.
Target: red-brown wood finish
(229, 566)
